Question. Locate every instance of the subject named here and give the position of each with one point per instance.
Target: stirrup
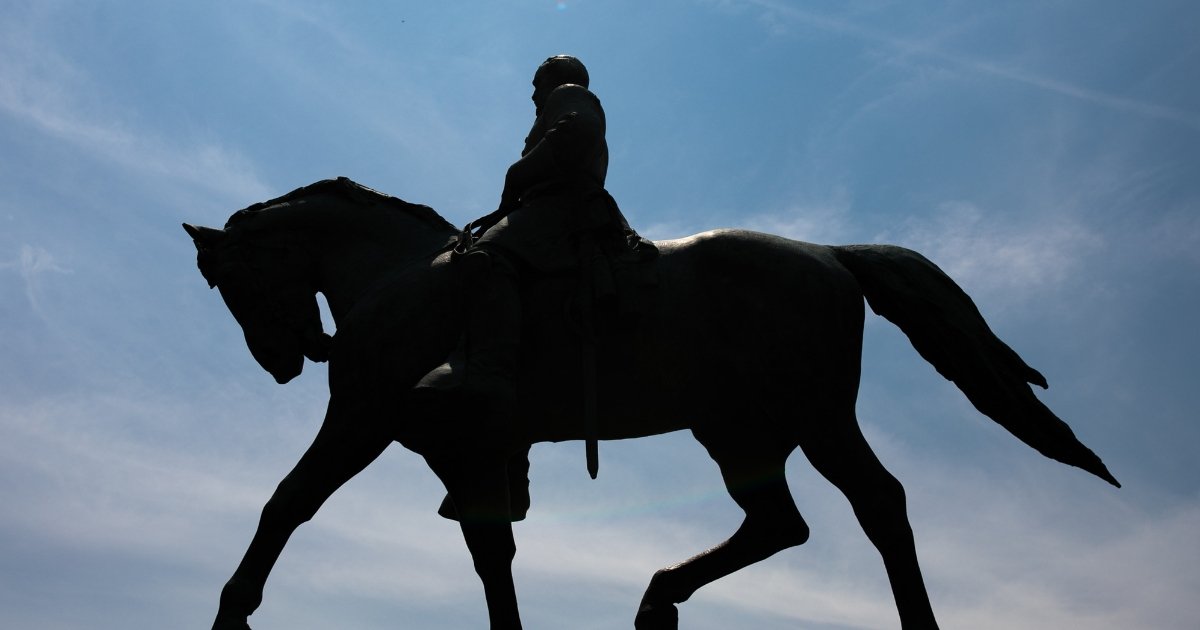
(447, 378)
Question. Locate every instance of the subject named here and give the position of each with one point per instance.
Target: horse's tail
(947, 330)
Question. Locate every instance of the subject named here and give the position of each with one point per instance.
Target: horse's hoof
(657, 617)
(231, 624)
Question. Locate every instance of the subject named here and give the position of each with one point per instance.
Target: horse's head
(265, 281)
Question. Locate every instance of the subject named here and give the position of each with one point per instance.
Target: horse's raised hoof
(657, 617)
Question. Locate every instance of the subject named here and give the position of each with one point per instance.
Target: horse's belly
(636, 397)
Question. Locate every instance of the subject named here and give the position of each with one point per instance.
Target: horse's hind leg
(838, 450)
(346, 443)
(752, 466)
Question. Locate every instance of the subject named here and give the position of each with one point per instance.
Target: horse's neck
(364, 247)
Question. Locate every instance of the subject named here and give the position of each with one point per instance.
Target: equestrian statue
(552, 320)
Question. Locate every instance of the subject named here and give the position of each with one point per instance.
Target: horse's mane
(349, 190)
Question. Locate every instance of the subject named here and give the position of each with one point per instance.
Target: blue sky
(1046, 155)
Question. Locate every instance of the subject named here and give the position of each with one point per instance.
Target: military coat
(567, 199)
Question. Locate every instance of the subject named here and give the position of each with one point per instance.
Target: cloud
(43, 89)
(31, 263)
(822, 222)
(85, 485)
(665, 230)
(987, 252)
(774, 11)
(1171, 114)
(1008, 555)
(826, 223)
(321, 19)
(999, 551)
(147, 474)
(991, 255)
(1175, 234)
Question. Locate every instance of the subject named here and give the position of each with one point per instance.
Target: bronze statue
(554, 217)
(751, 341)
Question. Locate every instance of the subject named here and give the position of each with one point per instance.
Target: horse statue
(751, 341)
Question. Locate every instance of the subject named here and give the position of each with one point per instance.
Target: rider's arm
(576, 133)
(535, 167)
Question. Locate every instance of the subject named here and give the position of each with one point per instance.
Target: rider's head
(556, 71)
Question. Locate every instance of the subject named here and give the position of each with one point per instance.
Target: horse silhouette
(751, 341)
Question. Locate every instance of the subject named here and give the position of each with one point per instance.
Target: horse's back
(782, 312)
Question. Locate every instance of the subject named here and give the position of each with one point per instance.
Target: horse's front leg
(479, 487)
(348, 441)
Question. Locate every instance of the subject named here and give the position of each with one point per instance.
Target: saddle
(601, 298)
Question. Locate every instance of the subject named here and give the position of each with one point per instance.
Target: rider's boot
(518, 489)
(493, 334)
(489, 391)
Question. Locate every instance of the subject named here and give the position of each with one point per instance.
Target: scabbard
(591, 431)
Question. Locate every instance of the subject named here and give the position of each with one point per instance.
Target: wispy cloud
(41, 88)
(159, 475)
(998, 552)
(322, 20)
(814, 223)
(442, 151)
(928, 50)
(1176, 234)
(664, 230)
(1016, 553)
(1162, 112)
(32, 263)
(991, 255)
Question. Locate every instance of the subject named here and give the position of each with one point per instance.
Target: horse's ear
(204, 235)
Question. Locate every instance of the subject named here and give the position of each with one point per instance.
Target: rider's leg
(752, 466)
(346, 443)
(493, 332)
(517, 471)
(493, 350)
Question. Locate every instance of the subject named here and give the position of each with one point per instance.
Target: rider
(553, 199)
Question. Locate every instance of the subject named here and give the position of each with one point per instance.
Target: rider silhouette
(553, 199)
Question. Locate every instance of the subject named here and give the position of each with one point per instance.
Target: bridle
(226, 260)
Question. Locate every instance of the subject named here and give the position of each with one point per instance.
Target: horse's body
(751, 341)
